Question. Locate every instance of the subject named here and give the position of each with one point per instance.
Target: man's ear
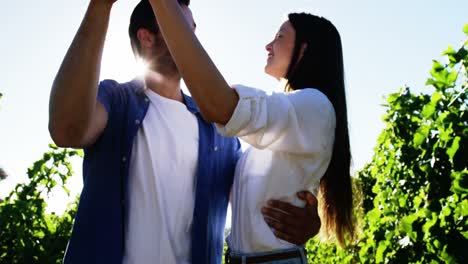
(146, 38)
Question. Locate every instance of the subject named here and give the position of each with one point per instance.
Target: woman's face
(280, 51)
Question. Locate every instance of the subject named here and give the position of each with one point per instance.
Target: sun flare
(141, 67)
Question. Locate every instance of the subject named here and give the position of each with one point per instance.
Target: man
(157, 177)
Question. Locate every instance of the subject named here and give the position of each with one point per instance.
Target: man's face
(161, 58)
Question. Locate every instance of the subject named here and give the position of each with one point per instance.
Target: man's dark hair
(143, 17)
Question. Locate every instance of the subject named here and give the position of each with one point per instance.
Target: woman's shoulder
(311, 98)
(310, 94)
(247, 91)
(307, 98)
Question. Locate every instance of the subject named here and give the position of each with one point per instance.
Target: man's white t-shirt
(161, 189)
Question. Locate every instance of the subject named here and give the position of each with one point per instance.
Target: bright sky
(387, 44)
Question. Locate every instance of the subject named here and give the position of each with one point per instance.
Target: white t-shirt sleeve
(301, 122)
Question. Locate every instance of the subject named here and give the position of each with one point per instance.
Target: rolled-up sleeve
(301, 122)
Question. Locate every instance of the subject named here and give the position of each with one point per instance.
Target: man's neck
(164, 85)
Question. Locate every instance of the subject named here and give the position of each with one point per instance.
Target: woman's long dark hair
(321, 67)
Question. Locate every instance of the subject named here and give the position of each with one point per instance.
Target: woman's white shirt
(291, 137)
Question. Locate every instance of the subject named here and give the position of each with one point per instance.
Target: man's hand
(295, 225)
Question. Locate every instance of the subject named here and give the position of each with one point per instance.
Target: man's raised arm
(76, 118)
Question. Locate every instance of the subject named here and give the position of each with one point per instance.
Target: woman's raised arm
(215, 98)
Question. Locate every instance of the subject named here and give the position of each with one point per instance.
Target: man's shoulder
(133, 86)
(121, 93)
(108, 83)
(122, 100)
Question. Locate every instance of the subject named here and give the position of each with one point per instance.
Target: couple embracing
(160, 167)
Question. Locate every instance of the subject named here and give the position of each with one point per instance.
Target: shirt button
(146, 99)
(137, 122)
(124, 159)
(215, 148)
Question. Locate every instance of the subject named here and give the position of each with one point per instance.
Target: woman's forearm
(213, 95)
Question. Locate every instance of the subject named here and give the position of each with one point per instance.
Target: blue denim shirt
(98, 231)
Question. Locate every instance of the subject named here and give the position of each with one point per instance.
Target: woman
(300, 132)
